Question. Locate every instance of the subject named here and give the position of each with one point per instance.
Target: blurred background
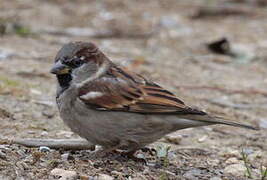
(211, 53)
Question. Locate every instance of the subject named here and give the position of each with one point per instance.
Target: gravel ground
(163, 40)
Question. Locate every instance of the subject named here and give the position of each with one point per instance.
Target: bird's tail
(221, 120)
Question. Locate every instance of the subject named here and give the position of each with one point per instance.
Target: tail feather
(220, 120)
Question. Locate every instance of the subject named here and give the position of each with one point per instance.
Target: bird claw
(151, 151)
(131, 155)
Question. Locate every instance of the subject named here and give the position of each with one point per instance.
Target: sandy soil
(163, 40)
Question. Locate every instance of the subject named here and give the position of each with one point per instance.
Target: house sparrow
(115, 108)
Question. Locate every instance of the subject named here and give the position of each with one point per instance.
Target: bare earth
(163, 41)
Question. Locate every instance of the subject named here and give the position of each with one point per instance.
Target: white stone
(44, 149)
(64, 174)
(232, 160)
(103, 177)
(235, 169)
(203, 138)
(215, 178)
(66, 134)
(174, 139)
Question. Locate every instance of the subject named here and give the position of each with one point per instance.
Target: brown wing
(121, 90)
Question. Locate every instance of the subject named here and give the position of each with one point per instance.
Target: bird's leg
(131, 155)
(105, 151)
(151, 151)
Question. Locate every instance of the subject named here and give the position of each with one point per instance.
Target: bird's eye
(77, 62)
(74, 62)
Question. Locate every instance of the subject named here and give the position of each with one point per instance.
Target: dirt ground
(165, 41)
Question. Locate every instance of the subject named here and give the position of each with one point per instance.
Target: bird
(115, 108)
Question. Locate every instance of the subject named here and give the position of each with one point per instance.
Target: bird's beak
(60, 68)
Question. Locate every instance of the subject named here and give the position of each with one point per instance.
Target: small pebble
(263, 123)
(174, 139)
(4, 146)
(248, 151)
(64, 174)
(30, 132)
(65, 156)
(235, 169)
(232, 160)
(232, 153)
(146, 170)
(48, 113)
(35, 91)
(103, 177)
(66, 134)
(169, 21)
(44, 149)
(215, 178)
(151, 164)
(5, 53)
(203, 138)
(172, 155)
(255, 155)
(140, 156)
(44, 133)
(192, 174)
(116, 173)
(21, 152)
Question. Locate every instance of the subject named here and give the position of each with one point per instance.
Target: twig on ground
(66, 144)
(222, 11)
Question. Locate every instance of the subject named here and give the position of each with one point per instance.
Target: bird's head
(73, 55)
(76, 62)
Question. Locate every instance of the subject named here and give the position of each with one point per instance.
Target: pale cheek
(82, 73)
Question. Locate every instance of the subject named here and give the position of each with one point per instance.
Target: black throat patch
(64, 82)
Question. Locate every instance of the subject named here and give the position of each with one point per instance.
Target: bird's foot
(151, 151)
(135, 157)
(101, 153)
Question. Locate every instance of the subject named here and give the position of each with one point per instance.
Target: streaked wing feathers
(120, 90)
